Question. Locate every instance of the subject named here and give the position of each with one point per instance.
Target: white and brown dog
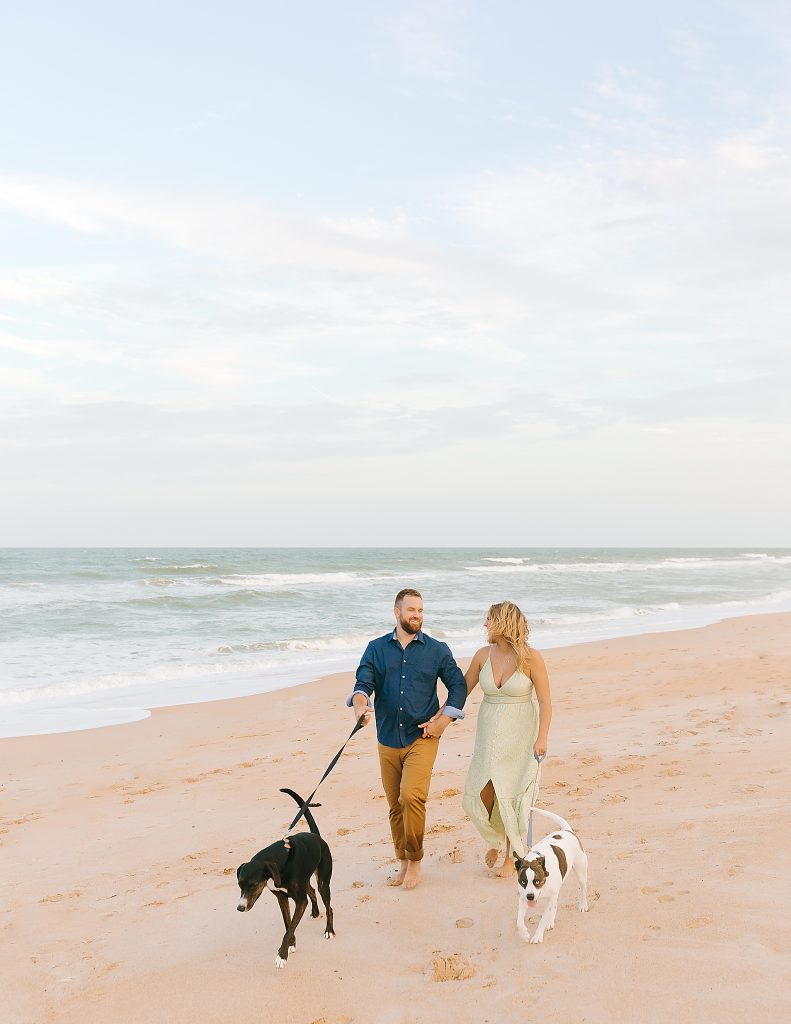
(541, 872)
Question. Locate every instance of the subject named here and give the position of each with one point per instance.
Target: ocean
(90, 637)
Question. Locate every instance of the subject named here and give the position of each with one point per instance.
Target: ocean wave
(549, 568)
(278, 579)
(762, 556)
(188, 568)
(349, 642)
(625, 611)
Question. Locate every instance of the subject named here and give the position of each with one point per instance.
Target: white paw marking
(280, 963)
(329, 935)
(537, 938)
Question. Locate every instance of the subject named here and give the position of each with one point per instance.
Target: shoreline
(666, 750)
(137, 713)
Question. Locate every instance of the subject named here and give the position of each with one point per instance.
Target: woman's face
(487, 626)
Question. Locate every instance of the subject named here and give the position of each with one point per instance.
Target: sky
(410, 274)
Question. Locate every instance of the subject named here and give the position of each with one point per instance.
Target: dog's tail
(308, 816)
(560, 822)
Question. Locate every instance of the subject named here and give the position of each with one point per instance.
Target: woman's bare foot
(399, 878)
(507, 868)
(412, 876)
(491, 857)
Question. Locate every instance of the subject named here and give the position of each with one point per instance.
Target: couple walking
(400, 671)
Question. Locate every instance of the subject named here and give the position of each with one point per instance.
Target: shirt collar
(418, 636)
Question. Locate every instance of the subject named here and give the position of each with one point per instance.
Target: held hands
(435, 726)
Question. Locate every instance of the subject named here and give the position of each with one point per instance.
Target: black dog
(289, 864)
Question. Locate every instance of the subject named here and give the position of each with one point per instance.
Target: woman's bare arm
(474, 671)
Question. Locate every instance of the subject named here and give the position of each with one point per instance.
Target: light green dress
(507, 730)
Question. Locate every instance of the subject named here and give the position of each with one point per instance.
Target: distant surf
(95, 636)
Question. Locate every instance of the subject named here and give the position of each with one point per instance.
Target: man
(401, 670)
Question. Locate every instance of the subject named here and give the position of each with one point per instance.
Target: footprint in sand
(614, 798)
(344, 831)
(450, 968)
(666, 899)
(58, 896)
(447, 793)
(440, 827)
(734, 870)
(700, 922)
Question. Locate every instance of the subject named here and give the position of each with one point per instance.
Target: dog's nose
(242, 907)
(530, 897)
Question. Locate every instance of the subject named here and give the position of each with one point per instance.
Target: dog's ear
(239, 871)
(519, 862)
(274, 873)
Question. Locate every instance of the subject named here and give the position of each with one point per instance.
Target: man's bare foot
(491, 857)
(507, 868)
(412, 876)
(399, 878)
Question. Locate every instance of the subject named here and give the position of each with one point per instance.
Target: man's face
(410, 614)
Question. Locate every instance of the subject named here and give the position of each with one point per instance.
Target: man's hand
(361, 708)
(435, 726)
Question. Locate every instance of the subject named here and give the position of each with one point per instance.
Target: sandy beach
(668, 753)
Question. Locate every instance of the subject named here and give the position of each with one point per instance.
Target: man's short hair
(407, 592)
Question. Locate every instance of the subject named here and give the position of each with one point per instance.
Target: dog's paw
(524, 935)
(280, 963)
(538, 937)
(584, 908)
(329, 935)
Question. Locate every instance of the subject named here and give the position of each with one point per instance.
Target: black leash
(357, 726)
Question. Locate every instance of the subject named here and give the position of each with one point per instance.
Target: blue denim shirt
(404, 684)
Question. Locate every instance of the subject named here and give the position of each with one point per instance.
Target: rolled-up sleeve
(364, 677)
(453, 678)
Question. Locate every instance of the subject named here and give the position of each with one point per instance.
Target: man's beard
(407, 626)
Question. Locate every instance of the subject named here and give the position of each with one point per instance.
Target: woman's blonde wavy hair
(506, 622)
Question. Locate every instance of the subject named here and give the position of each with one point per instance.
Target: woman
(502, 779)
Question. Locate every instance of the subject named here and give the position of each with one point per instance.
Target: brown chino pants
(406, 777)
